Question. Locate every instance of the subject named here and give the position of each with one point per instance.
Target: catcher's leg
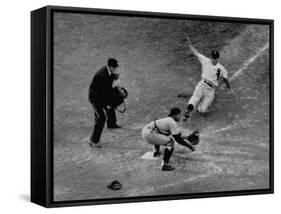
(167, 155)
(156, 151)
(154, 138)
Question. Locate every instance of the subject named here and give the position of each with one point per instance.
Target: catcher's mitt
(115, 185)
(193, 138)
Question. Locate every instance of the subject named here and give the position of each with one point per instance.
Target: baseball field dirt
(156, 66)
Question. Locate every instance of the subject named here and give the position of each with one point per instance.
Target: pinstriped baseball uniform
(204, 92)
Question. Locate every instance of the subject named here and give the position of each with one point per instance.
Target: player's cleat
(167, 167)
(156, 154)
(95, 144)
(114, 126)
(186, 116)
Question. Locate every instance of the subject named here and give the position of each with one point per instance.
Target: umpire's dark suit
(100, 92)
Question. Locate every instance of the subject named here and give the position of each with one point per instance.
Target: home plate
(138, 126)
(149, 156)
(86, 139)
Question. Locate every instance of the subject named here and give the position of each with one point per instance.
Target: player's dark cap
(174, 111)
(215, 54)
(112, 62)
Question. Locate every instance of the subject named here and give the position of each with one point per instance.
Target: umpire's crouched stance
(100, 94)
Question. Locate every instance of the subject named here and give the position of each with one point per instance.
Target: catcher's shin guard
(167, 154)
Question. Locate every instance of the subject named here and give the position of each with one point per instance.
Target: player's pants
(153, 137)
(202, 97)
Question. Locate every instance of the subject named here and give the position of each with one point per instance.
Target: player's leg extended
(208, 98)
(195, 99)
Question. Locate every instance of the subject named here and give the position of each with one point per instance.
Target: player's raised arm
(200, 56)
(193, 50)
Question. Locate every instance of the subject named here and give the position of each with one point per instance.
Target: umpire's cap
(215, 54)
(112, 62)
(174, 111)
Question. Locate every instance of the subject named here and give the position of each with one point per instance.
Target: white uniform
(204, 92)
(161, 134)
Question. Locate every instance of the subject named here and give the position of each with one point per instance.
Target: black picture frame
(42, 102)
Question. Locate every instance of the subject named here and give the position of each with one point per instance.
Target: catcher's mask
(174, 111)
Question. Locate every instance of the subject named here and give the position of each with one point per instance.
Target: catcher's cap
(215, 54)
(112, 62)
(174, 111)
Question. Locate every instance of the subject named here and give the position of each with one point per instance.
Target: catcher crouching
(165, 132)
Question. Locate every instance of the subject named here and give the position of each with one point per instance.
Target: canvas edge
(46, 196)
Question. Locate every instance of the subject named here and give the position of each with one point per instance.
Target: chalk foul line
(246, 64)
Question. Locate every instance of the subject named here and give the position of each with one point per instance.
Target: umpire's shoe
(167, 167)
(113, 126)
(94, 144)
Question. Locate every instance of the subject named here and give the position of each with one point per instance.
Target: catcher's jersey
(167, 126)
(211, 72)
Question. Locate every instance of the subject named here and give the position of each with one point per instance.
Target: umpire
(100, 93)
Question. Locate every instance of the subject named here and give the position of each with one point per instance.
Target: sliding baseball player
(212, 72)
